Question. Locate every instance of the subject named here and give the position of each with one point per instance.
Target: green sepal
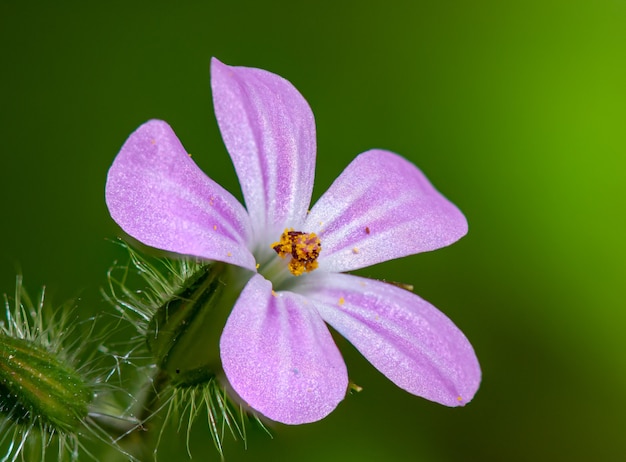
(183, 335)
(34, 383)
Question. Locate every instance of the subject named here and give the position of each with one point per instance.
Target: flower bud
(36, 384)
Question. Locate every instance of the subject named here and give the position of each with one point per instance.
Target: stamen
(304, 248)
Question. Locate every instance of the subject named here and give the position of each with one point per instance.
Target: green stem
(141, 441)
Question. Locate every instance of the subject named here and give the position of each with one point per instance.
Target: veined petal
(269, 131)
(279, 356)
(159, 196)
(380, 208)
(406, 338)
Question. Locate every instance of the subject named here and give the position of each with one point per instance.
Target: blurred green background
(515, 111)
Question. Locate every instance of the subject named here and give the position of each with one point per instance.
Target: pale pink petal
(380, 208)
(269, 131)
(406, 338)
(279, 356)
(159, 196)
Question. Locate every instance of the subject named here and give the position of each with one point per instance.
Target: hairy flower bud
(35, 383)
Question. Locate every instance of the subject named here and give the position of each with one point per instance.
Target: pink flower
(276, 350)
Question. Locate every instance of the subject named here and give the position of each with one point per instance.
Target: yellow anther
(304, 248)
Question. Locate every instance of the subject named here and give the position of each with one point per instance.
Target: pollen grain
(303, 248)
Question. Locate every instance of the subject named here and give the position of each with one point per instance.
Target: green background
(515, 110)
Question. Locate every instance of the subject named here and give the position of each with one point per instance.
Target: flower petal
(269, 131)
(279, 356)
(159, 196)
(407, 339)
(380, 208)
